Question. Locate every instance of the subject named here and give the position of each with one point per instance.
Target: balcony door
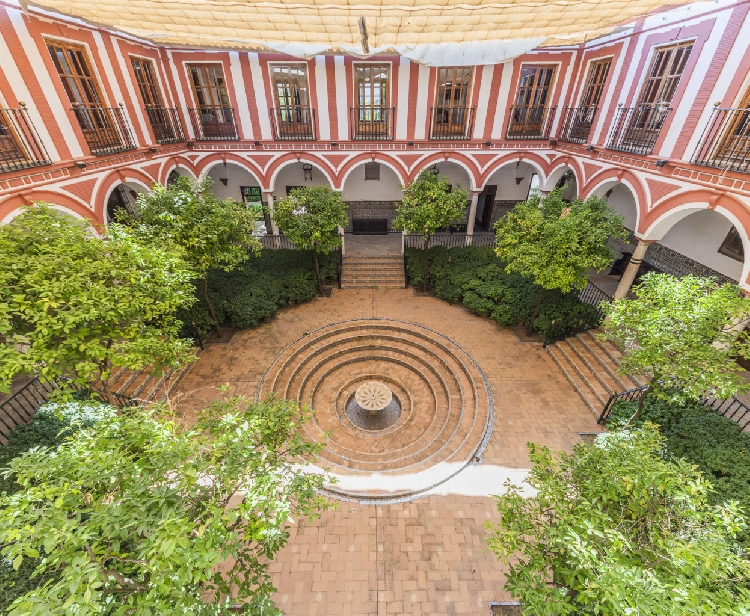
(292, 114)
(529, 113)
(452, 98)
(735, 142)
(96, 121)
(211, 99)
(159, 117)
(583, 116)
(372, 92)
(662, 79)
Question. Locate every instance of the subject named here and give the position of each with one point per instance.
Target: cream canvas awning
(428, 31)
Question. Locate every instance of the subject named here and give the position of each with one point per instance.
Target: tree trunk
(426, 252)
(108, 393)
(639, 410)
(212, 312)
(317, 273)
(536, 312)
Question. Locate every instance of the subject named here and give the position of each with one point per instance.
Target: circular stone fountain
(373, 407)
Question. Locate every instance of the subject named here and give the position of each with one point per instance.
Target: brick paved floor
(426, 556)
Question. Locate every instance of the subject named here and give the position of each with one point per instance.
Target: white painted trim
(59, 111)
(402, 106)
(722, 84)
(342, 102)
(181, 94)
(132, 87)
(161, 75)
(694, 85)
(483, 101)
(260, 96)
(321, 93)
(502, 100)
(18, 85)
(422, 95)
(240, 95)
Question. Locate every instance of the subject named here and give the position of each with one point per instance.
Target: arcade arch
(122, 197)
(372, 189)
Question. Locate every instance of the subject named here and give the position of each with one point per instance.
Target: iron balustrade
(451, 240)
(105, 129)
(213, 123)
(20, 146)
(577, 124)
(165, 123)
(276, 242)
(731, 408)
(590, 294)
(636, 129)
(725, 143)
(448, 123)
(293, 123)
(530, 122)
(372, 123)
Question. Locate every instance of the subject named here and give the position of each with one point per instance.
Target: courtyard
(425, 553)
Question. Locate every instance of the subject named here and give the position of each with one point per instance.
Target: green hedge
(477, 278)
(712, 442)
(257, 288)
(49, 427)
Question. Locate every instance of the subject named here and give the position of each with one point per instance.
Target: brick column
(632, 269)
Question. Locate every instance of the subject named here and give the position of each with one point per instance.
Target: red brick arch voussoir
(8, 206)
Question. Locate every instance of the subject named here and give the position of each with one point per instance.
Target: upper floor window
(146, 80)
(105, 129)
(452, 116)
(213, 117)
(373, 114)
(535, 86)
(529, 116)
(597, 77)
(164, 122)
(664, 74)
(292, 116)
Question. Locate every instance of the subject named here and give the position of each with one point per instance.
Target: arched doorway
(122, 199)
(234, 181)
(509, 184)
(372, 190)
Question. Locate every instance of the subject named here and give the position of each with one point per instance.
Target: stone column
(269, 204)
(632, 269)
(472, 212)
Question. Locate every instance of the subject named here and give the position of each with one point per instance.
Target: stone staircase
(144, 386)
(379, 272)
(590, 366)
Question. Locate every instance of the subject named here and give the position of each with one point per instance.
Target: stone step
(575, 382)
(591, 367)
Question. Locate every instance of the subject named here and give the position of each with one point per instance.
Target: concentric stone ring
(399, 407)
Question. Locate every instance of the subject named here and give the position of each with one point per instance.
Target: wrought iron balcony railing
(636, 129)
(577, 124)
(165, 123)
(530, 122)
(293, 123)
(372, 123)
(213, 123)
(448, 123)
(725, 144)
(20, 146)
(105, 129)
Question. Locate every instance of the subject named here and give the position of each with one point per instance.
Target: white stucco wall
(356, 188)
(456, 174)
(505, 180)
(236, 176)
(699, 237)
(293, 175)
(624, 203)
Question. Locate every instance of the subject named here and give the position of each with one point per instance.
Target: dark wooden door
(486, 204)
